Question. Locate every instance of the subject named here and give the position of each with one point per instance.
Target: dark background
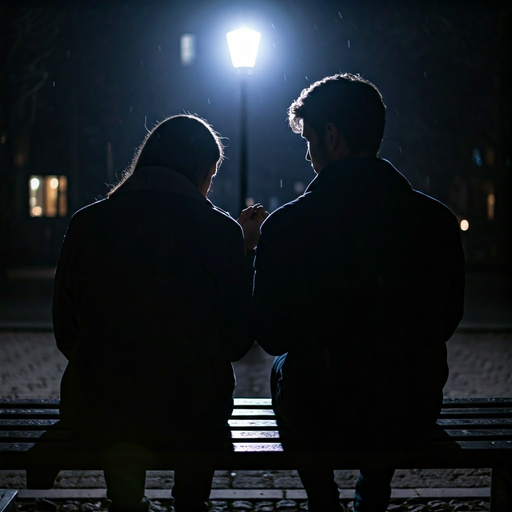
(80, 82)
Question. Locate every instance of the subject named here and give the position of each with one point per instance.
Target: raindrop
(397, 112)
(272, 25)
(348, 42)
(339, 14)
(208, 101)
(307, 79)
(131, 108)
(425, 74)
(400, 148)
(159, 48)
(284, 77)
(316, 28)
(141, 64)
(281, 183)
(54, 83)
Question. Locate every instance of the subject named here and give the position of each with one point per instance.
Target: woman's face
(205, 187)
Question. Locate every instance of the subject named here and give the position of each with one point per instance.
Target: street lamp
(243, 48)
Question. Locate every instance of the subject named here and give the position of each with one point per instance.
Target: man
(359, 283)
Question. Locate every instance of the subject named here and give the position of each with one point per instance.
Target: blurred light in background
(477, 157)
(491, 201)
(187, 49)
(464, 225)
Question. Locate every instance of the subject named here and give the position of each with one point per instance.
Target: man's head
(341, 115)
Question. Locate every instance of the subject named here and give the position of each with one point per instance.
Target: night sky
(81, 77)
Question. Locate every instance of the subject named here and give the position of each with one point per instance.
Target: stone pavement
(480, 358)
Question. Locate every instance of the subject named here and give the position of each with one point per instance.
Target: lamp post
(243, 48)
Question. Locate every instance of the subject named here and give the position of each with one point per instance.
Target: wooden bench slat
(26, 424)
(253, 412)
(473, 422)
(481, 413)
(264, 435)
(255, 423)
(478, 402)
(253, 402)
(29, 413)
(448, 403)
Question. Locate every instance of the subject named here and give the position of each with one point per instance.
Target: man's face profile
(316, 152)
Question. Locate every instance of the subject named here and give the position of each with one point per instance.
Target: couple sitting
(358, 284)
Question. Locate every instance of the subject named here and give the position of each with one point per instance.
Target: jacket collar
(161, 179)
(373, 172)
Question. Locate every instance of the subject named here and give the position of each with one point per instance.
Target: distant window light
(477, 157)
(188, 49)
(491, 202)
(48, 196)
(464, 225)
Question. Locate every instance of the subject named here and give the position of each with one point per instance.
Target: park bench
(473, 433)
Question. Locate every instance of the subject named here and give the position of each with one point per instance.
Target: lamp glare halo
(243, 47)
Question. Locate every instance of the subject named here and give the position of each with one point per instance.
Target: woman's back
(158, 281)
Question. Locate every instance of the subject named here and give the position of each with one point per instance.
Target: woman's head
(184, 143)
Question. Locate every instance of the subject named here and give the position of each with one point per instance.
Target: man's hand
(251, 219)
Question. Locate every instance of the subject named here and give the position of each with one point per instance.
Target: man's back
(361, 282)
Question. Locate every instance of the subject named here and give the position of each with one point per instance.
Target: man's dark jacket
(361, 281)
(151, 302)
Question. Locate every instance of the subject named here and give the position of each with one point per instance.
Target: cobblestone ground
(480, 365)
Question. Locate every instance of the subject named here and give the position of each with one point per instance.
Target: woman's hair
(184, 143)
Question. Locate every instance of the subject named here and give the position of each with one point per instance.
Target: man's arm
(277, 294)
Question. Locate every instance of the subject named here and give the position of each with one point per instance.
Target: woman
(151, 307)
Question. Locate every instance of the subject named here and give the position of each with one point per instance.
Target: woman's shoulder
(89, 211)
(224, 220)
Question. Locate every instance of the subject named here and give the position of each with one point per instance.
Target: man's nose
(308, 156)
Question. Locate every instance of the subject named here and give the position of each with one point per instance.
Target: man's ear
(336, 140)
(331, 135)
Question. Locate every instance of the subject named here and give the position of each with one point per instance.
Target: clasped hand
(251, 219)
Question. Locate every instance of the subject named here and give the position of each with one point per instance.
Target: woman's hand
(251, 219)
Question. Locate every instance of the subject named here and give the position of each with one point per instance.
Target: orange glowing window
(48, 196)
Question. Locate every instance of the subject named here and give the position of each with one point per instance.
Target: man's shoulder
(431, 206)
(288, 212)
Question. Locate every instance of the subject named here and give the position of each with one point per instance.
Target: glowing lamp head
(243, 47)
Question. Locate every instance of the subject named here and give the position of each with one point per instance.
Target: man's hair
(184, 143)
(354, 105)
